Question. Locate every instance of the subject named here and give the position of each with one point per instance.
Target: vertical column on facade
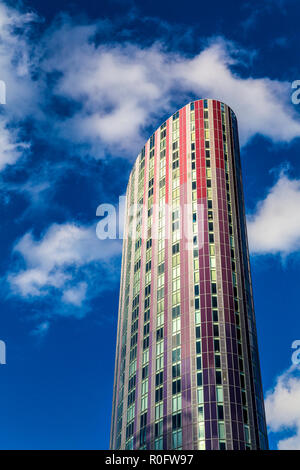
(127, 335)
(118, 406)
(204, 346)
(175, 287)
(246, 378)
(213, 346)
(215, 356)
(143, 357)
(197, 222)
(229, 267)
(166, 260)
(198, 190)
(254, 389)
(187, 435)
(248, 407)
(215, 223)
(155, 392)
(191, 223)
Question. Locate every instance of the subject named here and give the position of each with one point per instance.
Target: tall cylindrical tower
(187, 372)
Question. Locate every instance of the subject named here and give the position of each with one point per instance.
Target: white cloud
(260, 104)
(16, 61)
(283, 410)
(76, 295)
(274, 227)
(21, 91)
(11, 148)
(121, 88)
(60, 259)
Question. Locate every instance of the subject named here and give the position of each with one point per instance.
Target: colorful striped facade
(187, 372)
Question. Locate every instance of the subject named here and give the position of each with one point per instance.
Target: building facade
(187, 372)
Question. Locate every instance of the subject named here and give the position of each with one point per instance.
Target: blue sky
(87, 83)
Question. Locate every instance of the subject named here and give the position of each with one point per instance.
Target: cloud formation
(63, 263)
(282, 408)
(122, 88)
(274, 227)
(101, 97)
(112, 92)
(16, 66)
(11, 148)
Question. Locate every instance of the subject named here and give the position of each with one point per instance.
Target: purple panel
(213, 411)
(214, 428)
(207, 429)
(234, 430)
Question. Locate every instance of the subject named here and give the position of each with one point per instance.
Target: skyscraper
(187, 372)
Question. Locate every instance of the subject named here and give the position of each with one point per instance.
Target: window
(176, 421)
(199, 379)
(146, 329)
(158, 411)
(217, 345)
(158, 428)
(175, 248)
(176, 439)
(221, 431)
(146, 315)
(176, 355)
(218, 377)
(159, 379)
(176, 311)
(152, 141)
(159, 334)
(158, 444)
(143, 420)
(143, 436)
(158, 394)
(216, 330)
(176, 371)
(176, 403)
(176, 387)
(145, 372)
(200, 413)
(220, 412)
(220, 394)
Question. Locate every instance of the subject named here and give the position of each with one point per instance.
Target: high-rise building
(187, 373)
